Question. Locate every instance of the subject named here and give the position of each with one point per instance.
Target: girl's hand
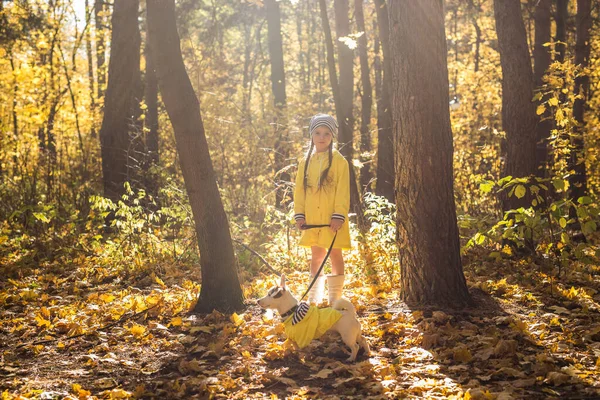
(300, 223)
(335, 225)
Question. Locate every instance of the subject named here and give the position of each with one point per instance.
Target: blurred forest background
(97, 228)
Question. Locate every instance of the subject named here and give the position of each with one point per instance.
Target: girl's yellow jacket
(319, 206)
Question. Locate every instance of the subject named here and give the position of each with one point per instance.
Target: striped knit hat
(323, 120)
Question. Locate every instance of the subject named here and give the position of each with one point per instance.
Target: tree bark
(282, 179)
(518, 111)
(427, 232)
(220, 284)
(583, 21)
(385, 142)
(541, 62)
(121, 107)
(366, 99)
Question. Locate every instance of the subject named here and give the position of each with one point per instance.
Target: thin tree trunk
(330, 59)
(282, 178)
(385, 143)
(248, 44)
(15, 119)
(90, 61)
(121, 104)
(561, 15)
(542, 59)
(310, 36)
(518, 111)
(220, 284)
(346, 102)
(99, 10)
(152, 110)
(427, 231)
(366, 100)
(474, 10)
(301, 54)
(578, 180)
(346, 81)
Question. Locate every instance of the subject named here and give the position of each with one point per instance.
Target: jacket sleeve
(299, 194)
(342, 191)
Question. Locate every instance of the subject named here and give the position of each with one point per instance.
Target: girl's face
(322, 138)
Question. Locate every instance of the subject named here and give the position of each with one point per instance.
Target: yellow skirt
(322, 237)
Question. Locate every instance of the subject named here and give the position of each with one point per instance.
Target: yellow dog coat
(309, 323)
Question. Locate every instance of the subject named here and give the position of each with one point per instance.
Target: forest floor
(83, 332)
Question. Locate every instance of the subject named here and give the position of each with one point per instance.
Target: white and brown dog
(304, 323)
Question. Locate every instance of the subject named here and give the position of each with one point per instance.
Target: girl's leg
(315, 295)
(337, 262)
(318, 254)
(335, 281)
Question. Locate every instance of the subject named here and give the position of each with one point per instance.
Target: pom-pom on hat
(323, 120)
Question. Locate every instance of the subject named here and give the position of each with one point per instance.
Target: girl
(322, 196)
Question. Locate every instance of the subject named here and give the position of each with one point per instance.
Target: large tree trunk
(429, 251)
(367, 98)
(541, 60)
(518, 111)
(385, 142)
(220, 284)
(282, 178)
(578, 180)
(121, 107)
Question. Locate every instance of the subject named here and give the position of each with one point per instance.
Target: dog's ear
(282, 282)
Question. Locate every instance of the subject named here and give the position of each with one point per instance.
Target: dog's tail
(343, 304)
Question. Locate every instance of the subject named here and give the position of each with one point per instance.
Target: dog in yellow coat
(303, 323)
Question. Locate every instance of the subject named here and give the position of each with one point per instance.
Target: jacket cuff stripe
(299, 216)
(338, 216)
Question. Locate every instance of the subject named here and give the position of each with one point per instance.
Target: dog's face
(272, 297)
(275, 296)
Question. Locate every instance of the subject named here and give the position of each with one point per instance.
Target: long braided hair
(325, 173)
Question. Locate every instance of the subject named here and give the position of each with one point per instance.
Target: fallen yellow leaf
(137, 330)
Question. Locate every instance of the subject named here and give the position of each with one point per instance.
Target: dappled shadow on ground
(527, 336)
